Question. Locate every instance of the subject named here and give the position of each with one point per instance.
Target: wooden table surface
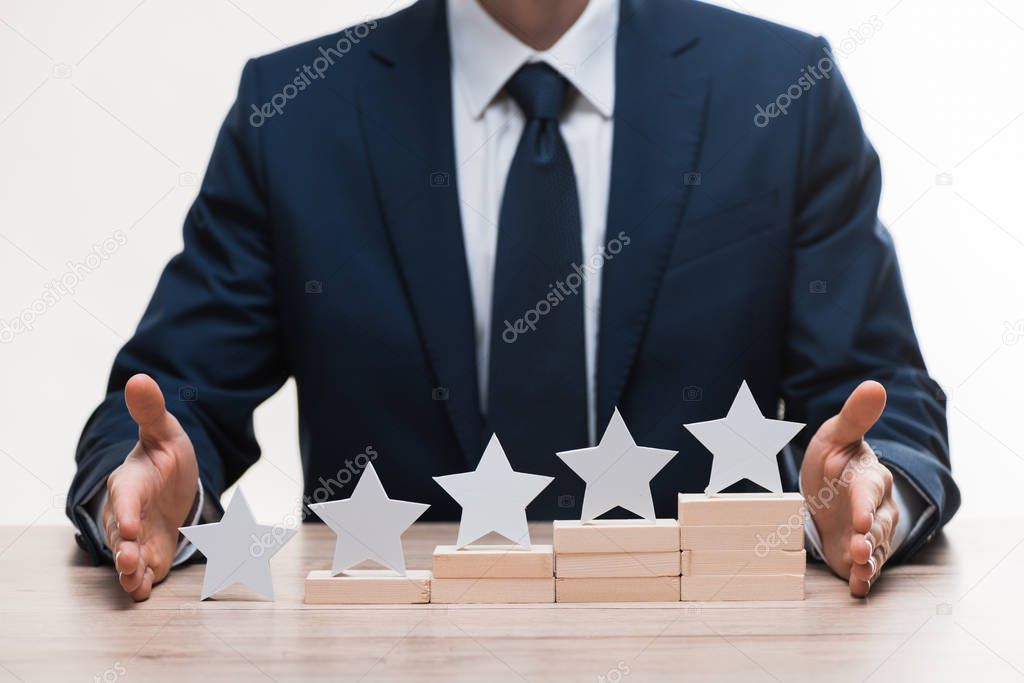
(956, 613)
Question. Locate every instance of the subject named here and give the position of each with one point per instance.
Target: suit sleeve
(849, 318)
(210, 335)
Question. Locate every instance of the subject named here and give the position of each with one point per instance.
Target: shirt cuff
(915, 511)
(95, 504)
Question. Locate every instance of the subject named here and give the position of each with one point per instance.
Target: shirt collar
(485, 55)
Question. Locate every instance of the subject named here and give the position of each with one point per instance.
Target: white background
(108, 111)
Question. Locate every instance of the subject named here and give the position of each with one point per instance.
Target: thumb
(859, 414)
(145, 402)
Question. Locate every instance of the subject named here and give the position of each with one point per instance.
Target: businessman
(487, 216)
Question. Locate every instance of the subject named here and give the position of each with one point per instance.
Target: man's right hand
(151, 494)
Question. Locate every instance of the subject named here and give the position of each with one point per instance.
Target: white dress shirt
(487, 126)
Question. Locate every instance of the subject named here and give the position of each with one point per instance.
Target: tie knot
(539, 91)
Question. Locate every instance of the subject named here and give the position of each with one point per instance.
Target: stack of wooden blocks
(722, 547)
(616, 561)
(742, 546)
(493, 574)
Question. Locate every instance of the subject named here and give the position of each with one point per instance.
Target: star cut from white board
(493, 497)
(744, 444)
(369, 525)
(617, 472)
(237, 549)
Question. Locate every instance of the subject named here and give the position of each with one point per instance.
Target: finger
(145, 588)
(146, 404)
(866, 495)
(110, 525)
(879, 557)
(860, 412)
(127, 557)
(882, 532)
(861, 548)
(865, 547)
(864, 576)
(862, 572)
(859, 588)
(132, 581)
(126, 508)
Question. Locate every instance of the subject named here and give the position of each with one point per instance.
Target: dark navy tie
(537, 389)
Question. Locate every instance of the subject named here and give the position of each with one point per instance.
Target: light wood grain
(493, 561)
(730, 562)
(632, 589)
(740, 508)
(367, 587)
(742, 536)
(952, 614)
(492, 591)
(742, 587)
(617, 565)
(616, 536)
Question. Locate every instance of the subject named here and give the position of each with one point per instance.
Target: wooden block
(609, 565)
(642, 589)
(740, 508)
(493, 561)
(616, 536)
(732, 562)
(367, 587)
(480, 591)
(742, 537)
(742, 587)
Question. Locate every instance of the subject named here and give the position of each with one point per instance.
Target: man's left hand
(849, 492)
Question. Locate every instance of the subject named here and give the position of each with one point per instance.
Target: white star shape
(744, 444)
(237, 549)
(618, 473)
(493, 497)
(369, 525)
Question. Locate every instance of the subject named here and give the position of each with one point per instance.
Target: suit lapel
(660, 102)
(407, 121)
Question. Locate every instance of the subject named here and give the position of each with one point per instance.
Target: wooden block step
(740, 508)
(610, 565)
(732, 562)
(489, 591)
(642, 589)
(742, 587)
(742, 537)
(616, 536)
(367, 587)
(493, 561)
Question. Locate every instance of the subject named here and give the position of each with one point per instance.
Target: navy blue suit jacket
(325, 245)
